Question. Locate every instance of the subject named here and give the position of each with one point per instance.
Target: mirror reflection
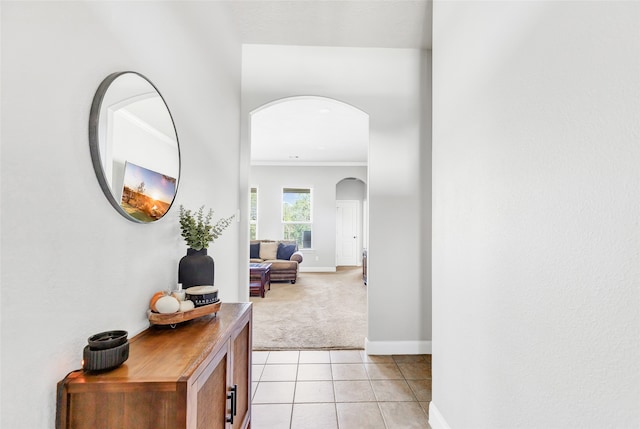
(134, 147)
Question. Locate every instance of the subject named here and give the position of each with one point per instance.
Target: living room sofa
(283, 255)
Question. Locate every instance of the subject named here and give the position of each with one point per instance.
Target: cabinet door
(241, 377)
(211, 403)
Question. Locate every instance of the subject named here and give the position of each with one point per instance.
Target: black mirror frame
(94, 143)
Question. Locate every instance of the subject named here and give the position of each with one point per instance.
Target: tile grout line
(295, 387)
(333, 385)
(384, 420)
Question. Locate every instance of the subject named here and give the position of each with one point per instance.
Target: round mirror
(134, 147)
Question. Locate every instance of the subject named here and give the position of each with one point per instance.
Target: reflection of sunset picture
(146, 194)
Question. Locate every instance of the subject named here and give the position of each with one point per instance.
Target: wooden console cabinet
(196, 376)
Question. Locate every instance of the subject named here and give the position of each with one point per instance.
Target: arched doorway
(309, 145)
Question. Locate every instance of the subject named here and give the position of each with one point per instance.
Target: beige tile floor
(339, 389)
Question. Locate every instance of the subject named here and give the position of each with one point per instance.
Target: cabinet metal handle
(233, 395)
(234, 401)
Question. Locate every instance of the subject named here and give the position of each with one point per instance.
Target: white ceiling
(309, 130)
(301, 130)
(351, 23)
(152, 113)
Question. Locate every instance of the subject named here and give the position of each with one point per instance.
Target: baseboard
(317, 269)
(397, 347)
(436, 421)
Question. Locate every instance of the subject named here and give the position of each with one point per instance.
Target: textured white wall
(322, 180)
(536, 147)
(386, 84)
(71, 265)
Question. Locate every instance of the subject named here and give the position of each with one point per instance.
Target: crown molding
(309, 163)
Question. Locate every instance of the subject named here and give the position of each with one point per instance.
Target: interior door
(347, 232)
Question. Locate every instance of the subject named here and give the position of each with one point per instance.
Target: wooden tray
(175, 318)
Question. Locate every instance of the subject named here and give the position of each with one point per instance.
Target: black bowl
(107, 340)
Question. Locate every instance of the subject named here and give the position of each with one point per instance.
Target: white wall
(350, 189)
(425, 193)
(386, 84)
(536, 239)
(71, 265)
(322, 180)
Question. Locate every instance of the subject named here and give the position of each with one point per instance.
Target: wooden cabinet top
(163, 354)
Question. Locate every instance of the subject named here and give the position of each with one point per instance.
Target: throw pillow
(268, 250)
(285, 251)
(254, 251)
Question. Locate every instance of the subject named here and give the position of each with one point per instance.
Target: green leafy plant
(197, 230)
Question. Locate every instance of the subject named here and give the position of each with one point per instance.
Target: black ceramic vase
(196, 269)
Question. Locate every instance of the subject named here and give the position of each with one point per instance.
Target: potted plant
(197, 268)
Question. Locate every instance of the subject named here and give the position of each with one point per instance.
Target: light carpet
(319, 311)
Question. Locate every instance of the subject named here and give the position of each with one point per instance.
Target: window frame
(309, 222)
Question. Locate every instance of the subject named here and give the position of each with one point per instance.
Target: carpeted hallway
(320, 311)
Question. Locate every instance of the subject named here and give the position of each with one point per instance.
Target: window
(296, 216)
(253, 215)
